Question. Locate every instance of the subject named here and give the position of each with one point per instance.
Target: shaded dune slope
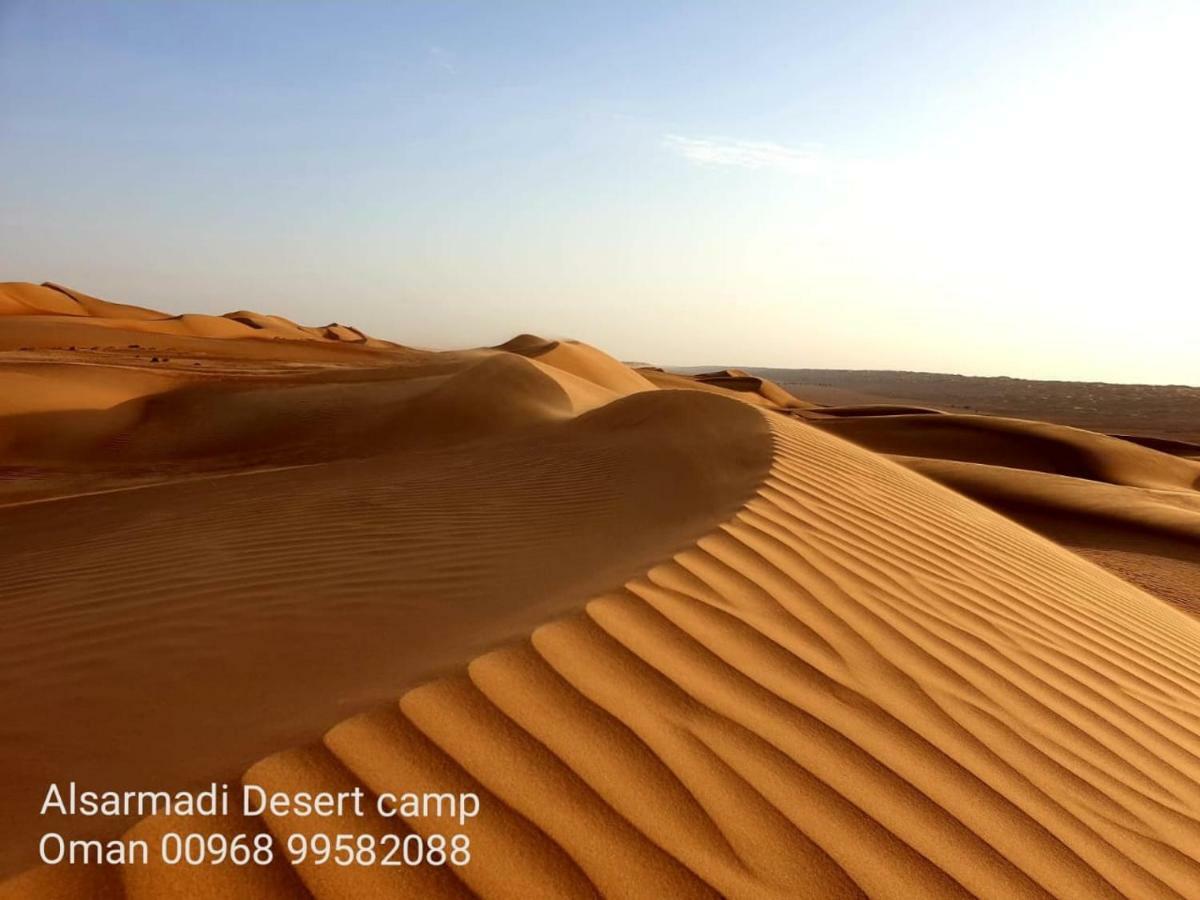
(860, 683)
(300, 419)
(278, 601)
(1186, 449)
(1019, 444)
(875, 409)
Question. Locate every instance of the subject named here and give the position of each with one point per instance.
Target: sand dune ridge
(889, 691)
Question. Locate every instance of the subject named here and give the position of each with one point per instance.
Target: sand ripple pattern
(862, 684)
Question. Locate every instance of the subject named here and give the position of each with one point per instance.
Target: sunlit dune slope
(580, 360)
(1124, 503)
(1150, 537)
(56, 317)
(23, 299)
(860, 682)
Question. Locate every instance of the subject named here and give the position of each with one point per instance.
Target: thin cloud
(747, 154)
(443, 59)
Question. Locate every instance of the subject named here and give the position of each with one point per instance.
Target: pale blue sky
(988, 188)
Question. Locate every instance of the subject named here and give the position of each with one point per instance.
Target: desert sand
(683, 636)
(1123, 503)
(1166, 415)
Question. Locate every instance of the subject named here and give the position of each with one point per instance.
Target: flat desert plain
(682, 635)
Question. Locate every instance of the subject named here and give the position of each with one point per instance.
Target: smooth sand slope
(681, 642)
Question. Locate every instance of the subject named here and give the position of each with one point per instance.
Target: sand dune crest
(887, 690)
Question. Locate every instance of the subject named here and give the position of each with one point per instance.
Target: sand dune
(21, 300)
(885, 690)
(1166, 445)
(1150, 537)
(1155, 411)
(39, 318)
(320, 583)
(580, 360)
(749, 389)
(1020, 444)
(308, 419)
(1130, 504)
(744, 382)
(875, 409)
(679, 643)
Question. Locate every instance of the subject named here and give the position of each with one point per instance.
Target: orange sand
(679, 640)
(1127, 504)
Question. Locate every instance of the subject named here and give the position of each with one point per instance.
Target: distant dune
(44, 308)
(1145, 411)
(683, 636)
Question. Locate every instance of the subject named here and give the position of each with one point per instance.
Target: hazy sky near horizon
(985, 188)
